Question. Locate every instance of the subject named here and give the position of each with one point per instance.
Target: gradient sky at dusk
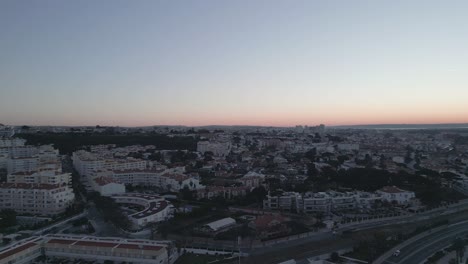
(246, 62)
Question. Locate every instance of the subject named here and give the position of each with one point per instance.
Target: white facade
(156, 208)
(221, 224)
(219, 149)
(87, 163)
(12, 142)
(321, 202)
(394, 194)
(107, 186)
(47, 177)
(25, 164)
(37, 199)
(98, 249)
(461, 185)
(158, 178)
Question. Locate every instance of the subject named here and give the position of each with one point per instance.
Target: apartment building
(11, 142)
(211, 192)
(37, 199)
(40, 177)
(107, 186)
(321, 202)
(155, 208)
(22, 164)
(219, 149)
(395, 194)
(87, 163)
(99, 249)
(287, 201)
(163, 179)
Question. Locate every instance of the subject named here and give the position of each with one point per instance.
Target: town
(227, 194)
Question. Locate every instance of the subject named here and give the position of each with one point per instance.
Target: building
(287, 201)
(39, 177)
(86, 163)
(6, 131)
(321, 202)
(22, 252)
(211, 192)
(219, 225)
(100, 249)
(461, 185)
(219, 149)
(166, 180)
(154, 208)
(22, 164)
(37, 199)
(107, 186)
(12, 142)
(251, 181)
(395, 194)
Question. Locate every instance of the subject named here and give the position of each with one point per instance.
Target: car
(396, 253)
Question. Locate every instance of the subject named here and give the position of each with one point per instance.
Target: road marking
(428, 245)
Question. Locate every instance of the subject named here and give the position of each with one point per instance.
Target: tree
(186, 193)
(334, 257)
(7, 218)
(257, 194)
(311, 170)
(459, 246)
(311, 154)
(111, 211)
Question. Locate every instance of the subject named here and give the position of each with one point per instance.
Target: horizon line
(213, 125)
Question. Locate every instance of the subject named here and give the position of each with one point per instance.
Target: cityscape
(228, 132)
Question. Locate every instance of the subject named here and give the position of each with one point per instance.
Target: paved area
(419, 250)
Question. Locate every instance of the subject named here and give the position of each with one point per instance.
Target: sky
(245, 62)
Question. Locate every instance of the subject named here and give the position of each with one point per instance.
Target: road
(420, 249)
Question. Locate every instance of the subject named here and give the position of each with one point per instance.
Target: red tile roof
(10, 252)
(95, 244)
(61, 241)
(101, 181)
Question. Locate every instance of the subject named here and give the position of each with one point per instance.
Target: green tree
(459, 246)
(334, 257)
(7, 218)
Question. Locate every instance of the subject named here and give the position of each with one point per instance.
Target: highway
(418, 250)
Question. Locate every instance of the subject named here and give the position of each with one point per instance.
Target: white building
(155, 208)
(461, 185)
(87, 163)
(220, 224)
(37, 199)
(219, 149)
(321, 202)
(6, 131)
(164, 179)
(47, 177)
(107, 186)
(97, 249)
(395, 194)
(24, 164)
(11, 142)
